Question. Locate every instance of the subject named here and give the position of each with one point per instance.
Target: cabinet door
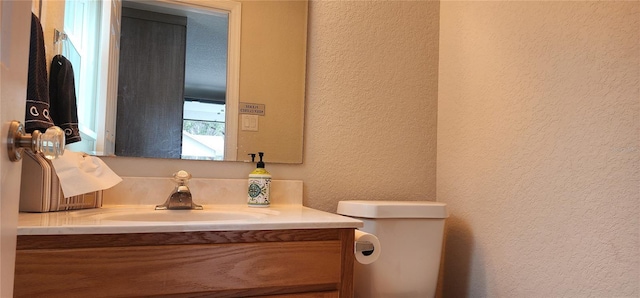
(150, 85)
(230, 270)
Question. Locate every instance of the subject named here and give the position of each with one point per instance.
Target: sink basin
(181, 216)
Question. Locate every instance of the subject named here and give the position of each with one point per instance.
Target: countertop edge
(289, 217)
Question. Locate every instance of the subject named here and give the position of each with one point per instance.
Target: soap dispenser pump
(259, 185)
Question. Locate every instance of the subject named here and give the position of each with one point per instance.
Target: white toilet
(411, 235)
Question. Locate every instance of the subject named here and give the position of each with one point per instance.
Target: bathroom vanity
(123, 251)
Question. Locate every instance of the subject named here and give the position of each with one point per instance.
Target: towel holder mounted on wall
(58, 38)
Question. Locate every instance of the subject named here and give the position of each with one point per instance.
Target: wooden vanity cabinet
(274, 263)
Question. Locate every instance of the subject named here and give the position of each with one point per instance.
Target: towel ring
(50, 143)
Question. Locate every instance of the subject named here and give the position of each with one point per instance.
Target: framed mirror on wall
(211, 80)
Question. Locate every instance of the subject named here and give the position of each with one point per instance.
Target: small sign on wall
(251, 108)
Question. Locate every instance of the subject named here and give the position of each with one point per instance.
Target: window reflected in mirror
(203, 131)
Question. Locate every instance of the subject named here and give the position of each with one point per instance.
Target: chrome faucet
(180, 198)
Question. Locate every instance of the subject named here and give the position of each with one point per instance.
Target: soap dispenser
(259, 184)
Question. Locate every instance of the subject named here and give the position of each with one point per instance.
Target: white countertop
(120, 219)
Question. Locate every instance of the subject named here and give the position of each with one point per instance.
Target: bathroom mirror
(269, 105)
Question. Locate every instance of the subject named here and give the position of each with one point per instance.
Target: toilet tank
(411, 235)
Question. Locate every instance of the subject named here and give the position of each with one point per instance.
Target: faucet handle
(180, 198)
(181, 177)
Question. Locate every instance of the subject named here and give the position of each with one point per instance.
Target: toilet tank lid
(393, 209)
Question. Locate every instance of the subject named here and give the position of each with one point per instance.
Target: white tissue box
(40, 188)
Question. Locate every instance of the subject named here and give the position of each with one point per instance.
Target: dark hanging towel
(62, 94)
(37, 113)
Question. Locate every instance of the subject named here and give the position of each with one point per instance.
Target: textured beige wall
(371, 104)
(371, 101)
(539, 149)
(52, 18)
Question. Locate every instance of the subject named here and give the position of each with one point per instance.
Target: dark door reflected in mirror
(186, 111)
